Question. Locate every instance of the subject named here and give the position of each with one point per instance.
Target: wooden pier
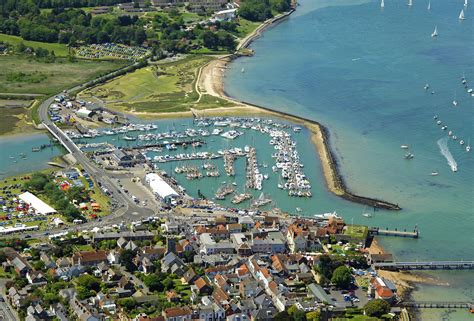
(425, 265)
(437, 305)
(386, 232)
(161, 145)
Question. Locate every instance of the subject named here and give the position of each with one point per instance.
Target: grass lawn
(356, 231)
(60, 50)
(23, 75)
(167, 87)
(245, 27)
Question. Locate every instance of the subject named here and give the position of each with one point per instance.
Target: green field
(11, 118)
(356, 231)
(159, 88)
(246, 27)
(22, 75)
(60, 50)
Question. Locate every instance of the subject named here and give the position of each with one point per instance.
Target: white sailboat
(455, 102)
(410, 3)
(382, 4)
(435, 32)
(366, 214)
(429, 5)
(468, 147)
(461, 15)
(465, 3)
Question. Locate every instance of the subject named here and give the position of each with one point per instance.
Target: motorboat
(326, 216)
(426, 87)
(434, 173)
(409, 156)
(404, 146)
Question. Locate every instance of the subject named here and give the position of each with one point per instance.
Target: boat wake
(443, 147)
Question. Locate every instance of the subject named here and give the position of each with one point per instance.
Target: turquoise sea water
(360, 71)
(12, 148)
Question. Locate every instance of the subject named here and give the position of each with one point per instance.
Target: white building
(161, 188)
(38, 205)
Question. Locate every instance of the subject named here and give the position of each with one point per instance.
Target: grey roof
(318, 292)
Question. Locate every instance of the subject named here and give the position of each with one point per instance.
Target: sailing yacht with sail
(410, 3)
(382, 4)
(435, 32)
(461, 15)
(465, 3)
(429, 5)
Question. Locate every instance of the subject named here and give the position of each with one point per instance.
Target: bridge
(62, 138)
(437, 305)
(427, 265)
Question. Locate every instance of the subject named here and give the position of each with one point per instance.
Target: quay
(426, 265)
(437, 305)
(386, 232)
(56, 164)
(161, 145)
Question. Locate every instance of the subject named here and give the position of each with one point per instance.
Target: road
(124, 207)
(6, 312)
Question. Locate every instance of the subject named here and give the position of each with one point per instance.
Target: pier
(437, 305)
(425, 265)
(386, 232)
(161, 145)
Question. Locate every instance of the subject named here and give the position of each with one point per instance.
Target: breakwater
(337, 178)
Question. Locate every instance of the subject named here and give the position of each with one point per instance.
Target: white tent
(39, 206)
(159, 187)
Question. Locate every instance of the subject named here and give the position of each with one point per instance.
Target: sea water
(16, 155)
(360, 70)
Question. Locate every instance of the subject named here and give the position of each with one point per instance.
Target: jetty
(176, 143)
(437, 305)
(425, 265)
(386, 232)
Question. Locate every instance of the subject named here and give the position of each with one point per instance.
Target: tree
(210, 39)
(88, 282)
(342, 277)
(127, 260)
(127, 303)
(153, 282)
(282, 316)
(313, 316)
(376, 308)
(296, 314)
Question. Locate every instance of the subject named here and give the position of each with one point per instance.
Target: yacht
(465, 3)
(461, 15)
(435, 32)
(439, 122)
(434, 173)
(455, 102)
(326, 216)
(435, 117)
(429, 5)
(461, 142)
(129, 138)
(365, 213)
(409, 156)
(426, 87)
(242, 70)
(382, 4)
(404, 146)
(410, 3)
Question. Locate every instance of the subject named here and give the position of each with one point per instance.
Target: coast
(405, 281)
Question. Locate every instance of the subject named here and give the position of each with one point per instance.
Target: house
(89, 258)
(234, 228)
(135, 236)
(36, 278)
(144, 264)
(171, 227)
(47, 260)
(202, 287)
(172, 264)
(189, 277)
(206, 5)
(127, 159)
(302, 239)
(177, 314)
(113, 257)
(274, 242)
(20, 265)
(380, 258)
(379, 289)
(67, 273)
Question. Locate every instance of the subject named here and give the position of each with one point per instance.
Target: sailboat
(455, 102)
(468, 147)
(461, 15)
(242, 70)
(366, 214)
(382, 4)
(429, 6)
(435, 32)
(410, 3)
(465, 3)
